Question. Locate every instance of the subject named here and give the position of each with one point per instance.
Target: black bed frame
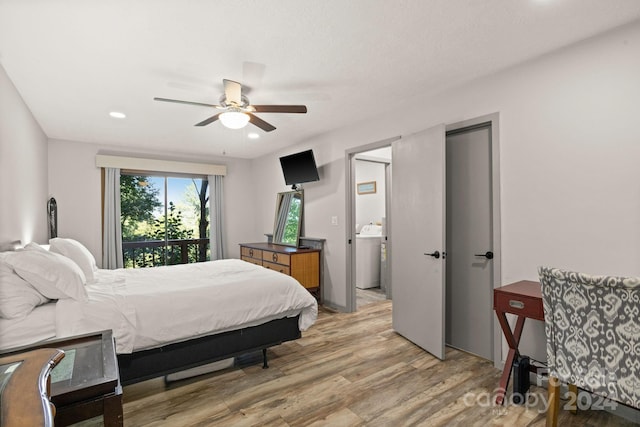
(146, 364)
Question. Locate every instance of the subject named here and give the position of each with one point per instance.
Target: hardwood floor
(367, 296)
(347, 370)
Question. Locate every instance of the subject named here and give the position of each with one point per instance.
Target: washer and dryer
(368, 256)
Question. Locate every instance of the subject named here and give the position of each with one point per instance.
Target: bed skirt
(147, 364)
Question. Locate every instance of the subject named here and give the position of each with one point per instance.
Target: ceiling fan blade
(185, 102)
(280, 108)
(232, 91)
(267, 127)
(209, 120)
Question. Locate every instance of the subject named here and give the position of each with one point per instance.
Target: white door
(418, 227)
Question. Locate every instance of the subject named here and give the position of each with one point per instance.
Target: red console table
(523, 299)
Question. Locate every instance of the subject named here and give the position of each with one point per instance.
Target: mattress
(151, 307)
(39, 325)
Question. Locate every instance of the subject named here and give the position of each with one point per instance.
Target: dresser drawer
(303, 264)
(250, 252)
(277, 267)
(251, 260)
(522, 305)
(275, 257)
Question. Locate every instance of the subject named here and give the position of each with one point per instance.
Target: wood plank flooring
(347, 370)
(367, 296)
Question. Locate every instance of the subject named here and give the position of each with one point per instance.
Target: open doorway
(371, 171)
(369, 205)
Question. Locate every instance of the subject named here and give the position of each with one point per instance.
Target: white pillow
(77, 252)
(53, 275)
(17, 297)
(33, 246)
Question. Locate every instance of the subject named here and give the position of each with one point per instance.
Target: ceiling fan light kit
(234, 119)
(237, 109)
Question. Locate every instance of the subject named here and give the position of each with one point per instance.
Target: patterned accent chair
(592, 324)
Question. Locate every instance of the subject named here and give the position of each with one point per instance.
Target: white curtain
(216, 219)
(112, 232)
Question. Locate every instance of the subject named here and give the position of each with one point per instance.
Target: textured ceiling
(74, 61)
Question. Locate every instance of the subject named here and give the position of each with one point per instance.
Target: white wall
(569, 161)
(569, 166)
(370, 207)
(23, 170)
(74, 180)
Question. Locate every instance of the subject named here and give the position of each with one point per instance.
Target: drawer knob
(516, 304)
(250, 252)
(274, 257)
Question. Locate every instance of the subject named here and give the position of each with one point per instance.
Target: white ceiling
(74, 61)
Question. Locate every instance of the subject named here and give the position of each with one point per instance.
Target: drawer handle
(274, 257)
(516, 304)
(250, 252)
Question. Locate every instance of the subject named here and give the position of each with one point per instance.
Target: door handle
(487, 255)
(435, 254)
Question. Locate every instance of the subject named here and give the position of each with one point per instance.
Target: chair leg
(573, 396)
(553, 394)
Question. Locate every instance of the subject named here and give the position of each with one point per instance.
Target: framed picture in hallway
(368, 187)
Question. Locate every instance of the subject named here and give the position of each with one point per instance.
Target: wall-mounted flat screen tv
(299, 168)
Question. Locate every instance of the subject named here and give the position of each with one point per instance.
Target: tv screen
(300, 167)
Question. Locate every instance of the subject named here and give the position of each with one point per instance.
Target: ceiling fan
(237, 111)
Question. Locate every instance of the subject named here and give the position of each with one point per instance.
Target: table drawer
(250, 252)
(275, 257)
(519, 304)
(277, 267)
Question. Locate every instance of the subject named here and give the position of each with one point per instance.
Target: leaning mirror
(286, 228)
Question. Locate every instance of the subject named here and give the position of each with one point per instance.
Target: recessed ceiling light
(117, 115)
(253, 135)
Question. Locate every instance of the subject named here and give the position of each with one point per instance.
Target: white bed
(207, 311)
(39, 325)
(150, 307)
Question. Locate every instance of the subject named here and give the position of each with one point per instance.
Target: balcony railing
(153, 253)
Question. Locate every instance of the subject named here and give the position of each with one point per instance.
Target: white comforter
(150, 307)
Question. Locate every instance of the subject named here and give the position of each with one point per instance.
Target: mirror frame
(279, 201)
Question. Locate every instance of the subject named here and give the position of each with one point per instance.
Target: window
(165, 219)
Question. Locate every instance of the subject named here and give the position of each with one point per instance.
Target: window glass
(165, 220)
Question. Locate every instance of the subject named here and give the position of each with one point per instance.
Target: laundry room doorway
(369, 200)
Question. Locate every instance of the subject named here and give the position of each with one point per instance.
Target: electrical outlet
(334, 220)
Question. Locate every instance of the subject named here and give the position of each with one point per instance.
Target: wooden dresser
(301, 264)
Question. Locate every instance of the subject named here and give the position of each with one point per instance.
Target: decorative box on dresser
(303, 264)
